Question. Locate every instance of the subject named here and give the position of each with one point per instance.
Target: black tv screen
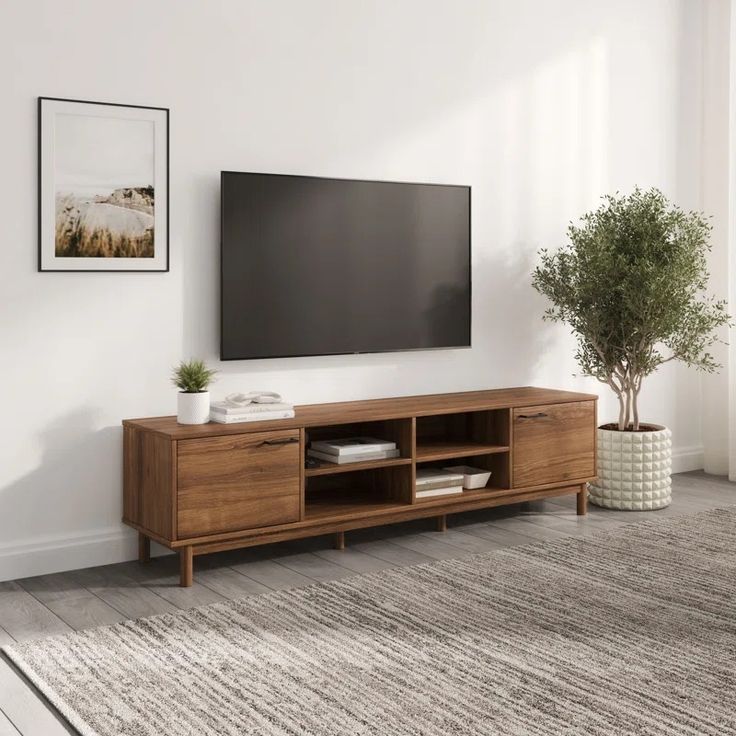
(314, 266)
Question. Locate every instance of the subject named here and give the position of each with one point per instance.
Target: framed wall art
(103, 186)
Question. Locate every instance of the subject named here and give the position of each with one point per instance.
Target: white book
(353, 445)
(222, 407)
(344, 460)
(262, 416)
(431, 476)
(449, 491)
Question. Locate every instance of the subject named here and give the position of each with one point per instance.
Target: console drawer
(237, 482)
(554, 442)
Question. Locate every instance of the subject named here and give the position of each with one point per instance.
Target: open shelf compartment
(359, 492)
(399, 431)
(469, 434)
(497, 462)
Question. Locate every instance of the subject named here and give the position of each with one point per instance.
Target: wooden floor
(55, 604)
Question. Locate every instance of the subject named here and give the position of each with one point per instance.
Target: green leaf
(192, 377)
(630, 282)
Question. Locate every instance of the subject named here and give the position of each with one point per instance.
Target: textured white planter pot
(633, 470)
(193, 408)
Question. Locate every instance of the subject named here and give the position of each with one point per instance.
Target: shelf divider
(445, 450)
(334, 468)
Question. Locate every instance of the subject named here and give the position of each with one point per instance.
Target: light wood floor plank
(470, 544)
(552, 513)
(390, 552)
(571, 523)
(161, 576)
(5, 638)
(56, 587)
(6, 727)
(525, 527)
(503, 537)
(86, 613)
(122, 592)
(23, 617)
(273, 575)
(704, 490)
(354, 560)
(700, 476)
(26, 710)
(434, 549)
(230, 583)
(314, 567)
(70, 601)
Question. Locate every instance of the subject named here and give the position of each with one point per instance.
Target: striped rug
(626, 632)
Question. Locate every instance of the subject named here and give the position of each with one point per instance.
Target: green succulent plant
(192, 377)
(631, 284)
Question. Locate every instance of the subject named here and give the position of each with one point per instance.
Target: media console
(214, 487)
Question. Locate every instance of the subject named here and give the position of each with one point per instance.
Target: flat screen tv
(314, 266)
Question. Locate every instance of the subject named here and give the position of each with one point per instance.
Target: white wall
(716, 200)
(541, 107)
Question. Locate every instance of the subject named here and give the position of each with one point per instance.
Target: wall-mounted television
(316, 266)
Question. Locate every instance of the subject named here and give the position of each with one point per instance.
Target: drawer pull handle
(538, 415)
(283, 441)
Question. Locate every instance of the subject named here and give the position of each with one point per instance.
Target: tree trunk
(635, 408)
(621, 413)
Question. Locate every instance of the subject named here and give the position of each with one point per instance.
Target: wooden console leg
(186, 567)
(339, 540)
(442, 523)
(144, 548)
(583, 500)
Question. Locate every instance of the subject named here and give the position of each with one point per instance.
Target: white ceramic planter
(193, 408)
(633, 470)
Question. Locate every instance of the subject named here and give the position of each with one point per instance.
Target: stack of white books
(225, 412)
(434, 482)
(352, 450)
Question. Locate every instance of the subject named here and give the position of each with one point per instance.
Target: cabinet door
(238, 482)
(554, 442)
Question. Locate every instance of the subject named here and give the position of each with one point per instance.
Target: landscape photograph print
(104, 186)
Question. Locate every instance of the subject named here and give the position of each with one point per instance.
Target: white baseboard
(716, 463)
(59, 554)
(119, 544)
(685, 459)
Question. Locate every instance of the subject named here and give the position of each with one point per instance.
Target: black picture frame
(161, 263)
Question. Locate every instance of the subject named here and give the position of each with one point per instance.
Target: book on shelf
(261, 416)
(231, 410)
(353, 446)
(430, 493)
(442, 483)
(428, 478)
(346, 459)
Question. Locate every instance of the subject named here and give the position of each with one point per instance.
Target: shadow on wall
(514, 337)
(76, 458)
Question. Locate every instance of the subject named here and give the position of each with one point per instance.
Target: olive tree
(631, 284)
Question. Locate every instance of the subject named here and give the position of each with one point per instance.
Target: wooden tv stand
(214, 487)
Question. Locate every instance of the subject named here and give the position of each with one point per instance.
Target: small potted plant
(193, 402)
(630, 283)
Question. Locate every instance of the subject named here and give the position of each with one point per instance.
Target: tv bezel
(469, 187)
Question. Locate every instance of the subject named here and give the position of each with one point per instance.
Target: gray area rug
(626, 632)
